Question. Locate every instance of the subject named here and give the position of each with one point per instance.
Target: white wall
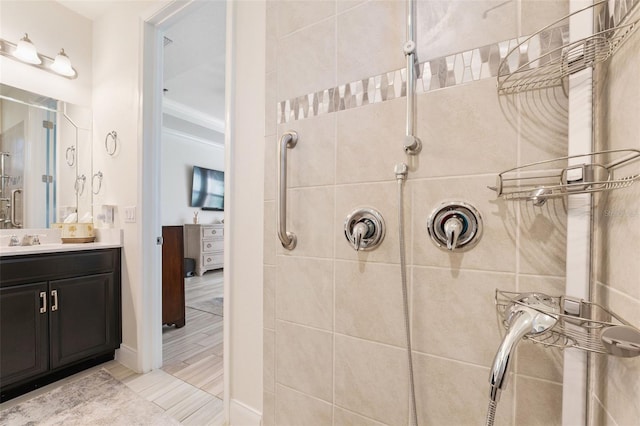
(180, 152)
(245, 221)
(51, 27)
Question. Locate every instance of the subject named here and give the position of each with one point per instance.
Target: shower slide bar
(288, 140)
(412, 145)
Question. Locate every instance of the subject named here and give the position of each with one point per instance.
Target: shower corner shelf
(559, 177)
(580, 324)
(545, 58)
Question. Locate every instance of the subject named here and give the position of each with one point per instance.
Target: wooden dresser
(173, 300)
(205, 244)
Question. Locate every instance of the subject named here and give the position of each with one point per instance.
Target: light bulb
(26, 51)
(62, 65)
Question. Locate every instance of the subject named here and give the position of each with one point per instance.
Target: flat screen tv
(207, 190)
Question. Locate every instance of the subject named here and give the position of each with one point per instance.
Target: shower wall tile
(269, 240)
(454, 393)
(621, 218)
(369, 42)
(294, 409)
(542, 119)
(383, 197)
(307, 60)
(268, 409)
(269, 297)
(446, 27)
(310, 217)
(464, 132)
(344, 5)
(455, 310)
(347, 418)
(538, 403)
(496, 249)
(269, 367)
(296, 14)
(543, 236)
(270, 113)
(369, 302)
(370, 142)
(304, 292)
(312, 161)
(535, 360)
(271, 34)
(270, 165)
(371, 379)
(304, 360)
(537, 14)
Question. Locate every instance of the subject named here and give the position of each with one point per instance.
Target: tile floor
(189, 387)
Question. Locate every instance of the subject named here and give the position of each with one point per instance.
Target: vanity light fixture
(26, 52)
(62, 65)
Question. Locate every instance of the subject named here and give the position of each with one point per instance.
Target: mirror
(45, 160)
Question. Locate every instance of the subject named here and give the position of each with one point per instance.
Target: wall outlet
(130, 214)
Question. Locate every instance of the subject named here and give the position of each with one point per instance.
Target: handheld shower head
(530, 314)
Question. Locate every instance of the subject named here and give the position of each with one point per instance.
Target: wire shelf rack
(548, 56)
(559, 177)
(580, 324)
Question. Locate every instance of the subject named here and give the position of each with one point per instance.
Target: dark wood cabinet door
(23, 332)
(82, 320)
(173, 301)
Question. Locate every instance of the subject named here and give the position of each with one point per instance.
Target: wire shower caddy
(576, 174)
(548, 56)
(580, 324)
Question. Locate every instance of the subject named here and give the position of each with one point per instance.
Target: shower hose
(403, 272)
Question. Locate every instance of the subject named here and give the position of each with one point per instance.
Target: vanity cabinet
(59, 313)
(205, 244)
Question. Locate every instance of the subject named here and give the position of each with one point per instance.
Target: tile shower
(333, 323)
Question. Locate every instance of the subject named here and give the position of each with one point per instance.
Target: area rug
(213, 306)
(97, 399)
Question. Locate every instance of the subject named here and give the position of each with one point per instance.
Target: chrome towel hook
(79, 185)
(114, 136)
(70, 156)
(99, 176)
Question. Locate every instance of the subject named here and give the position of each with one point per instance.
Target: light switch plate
(130, 214)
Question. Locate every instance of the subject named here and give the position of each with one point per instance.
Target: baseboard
(243, 415)
(128, 357)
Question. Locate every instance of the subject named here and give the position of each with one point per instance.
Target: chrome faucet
(530, 314)
(30, 240)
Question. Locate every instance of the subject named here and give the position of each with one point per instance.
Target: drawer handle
(54, 304)
(43, 302)
(213, 232)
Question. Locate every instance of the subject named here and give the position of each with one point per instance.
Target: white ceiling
(194, 62)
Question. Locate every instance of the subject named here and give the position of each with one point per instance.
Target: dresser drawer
(213, 259)
(212, 231)
(212, 245)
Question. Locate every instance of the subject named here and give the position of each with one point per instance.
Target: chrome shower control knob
(364, 229)
(455, 226)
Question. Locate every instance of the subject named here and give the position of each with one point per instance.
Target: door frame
(151, 80)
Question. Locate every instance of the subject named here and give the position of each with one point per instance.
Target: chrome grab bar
(12, 212)
(288, 239)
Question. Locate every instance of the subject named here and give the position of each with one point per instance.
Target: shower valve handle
(452, 229)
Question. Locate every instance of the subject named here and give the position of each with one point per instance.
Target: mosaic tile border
(448, 71)
(439, 73)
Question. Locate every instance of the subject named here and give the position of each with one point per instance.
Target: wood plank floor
(189, 387)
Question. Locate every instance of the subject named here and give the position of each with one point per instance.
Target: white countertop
(50, 241)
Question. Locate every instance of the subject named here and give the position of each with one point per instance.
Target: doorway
(184, 127)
